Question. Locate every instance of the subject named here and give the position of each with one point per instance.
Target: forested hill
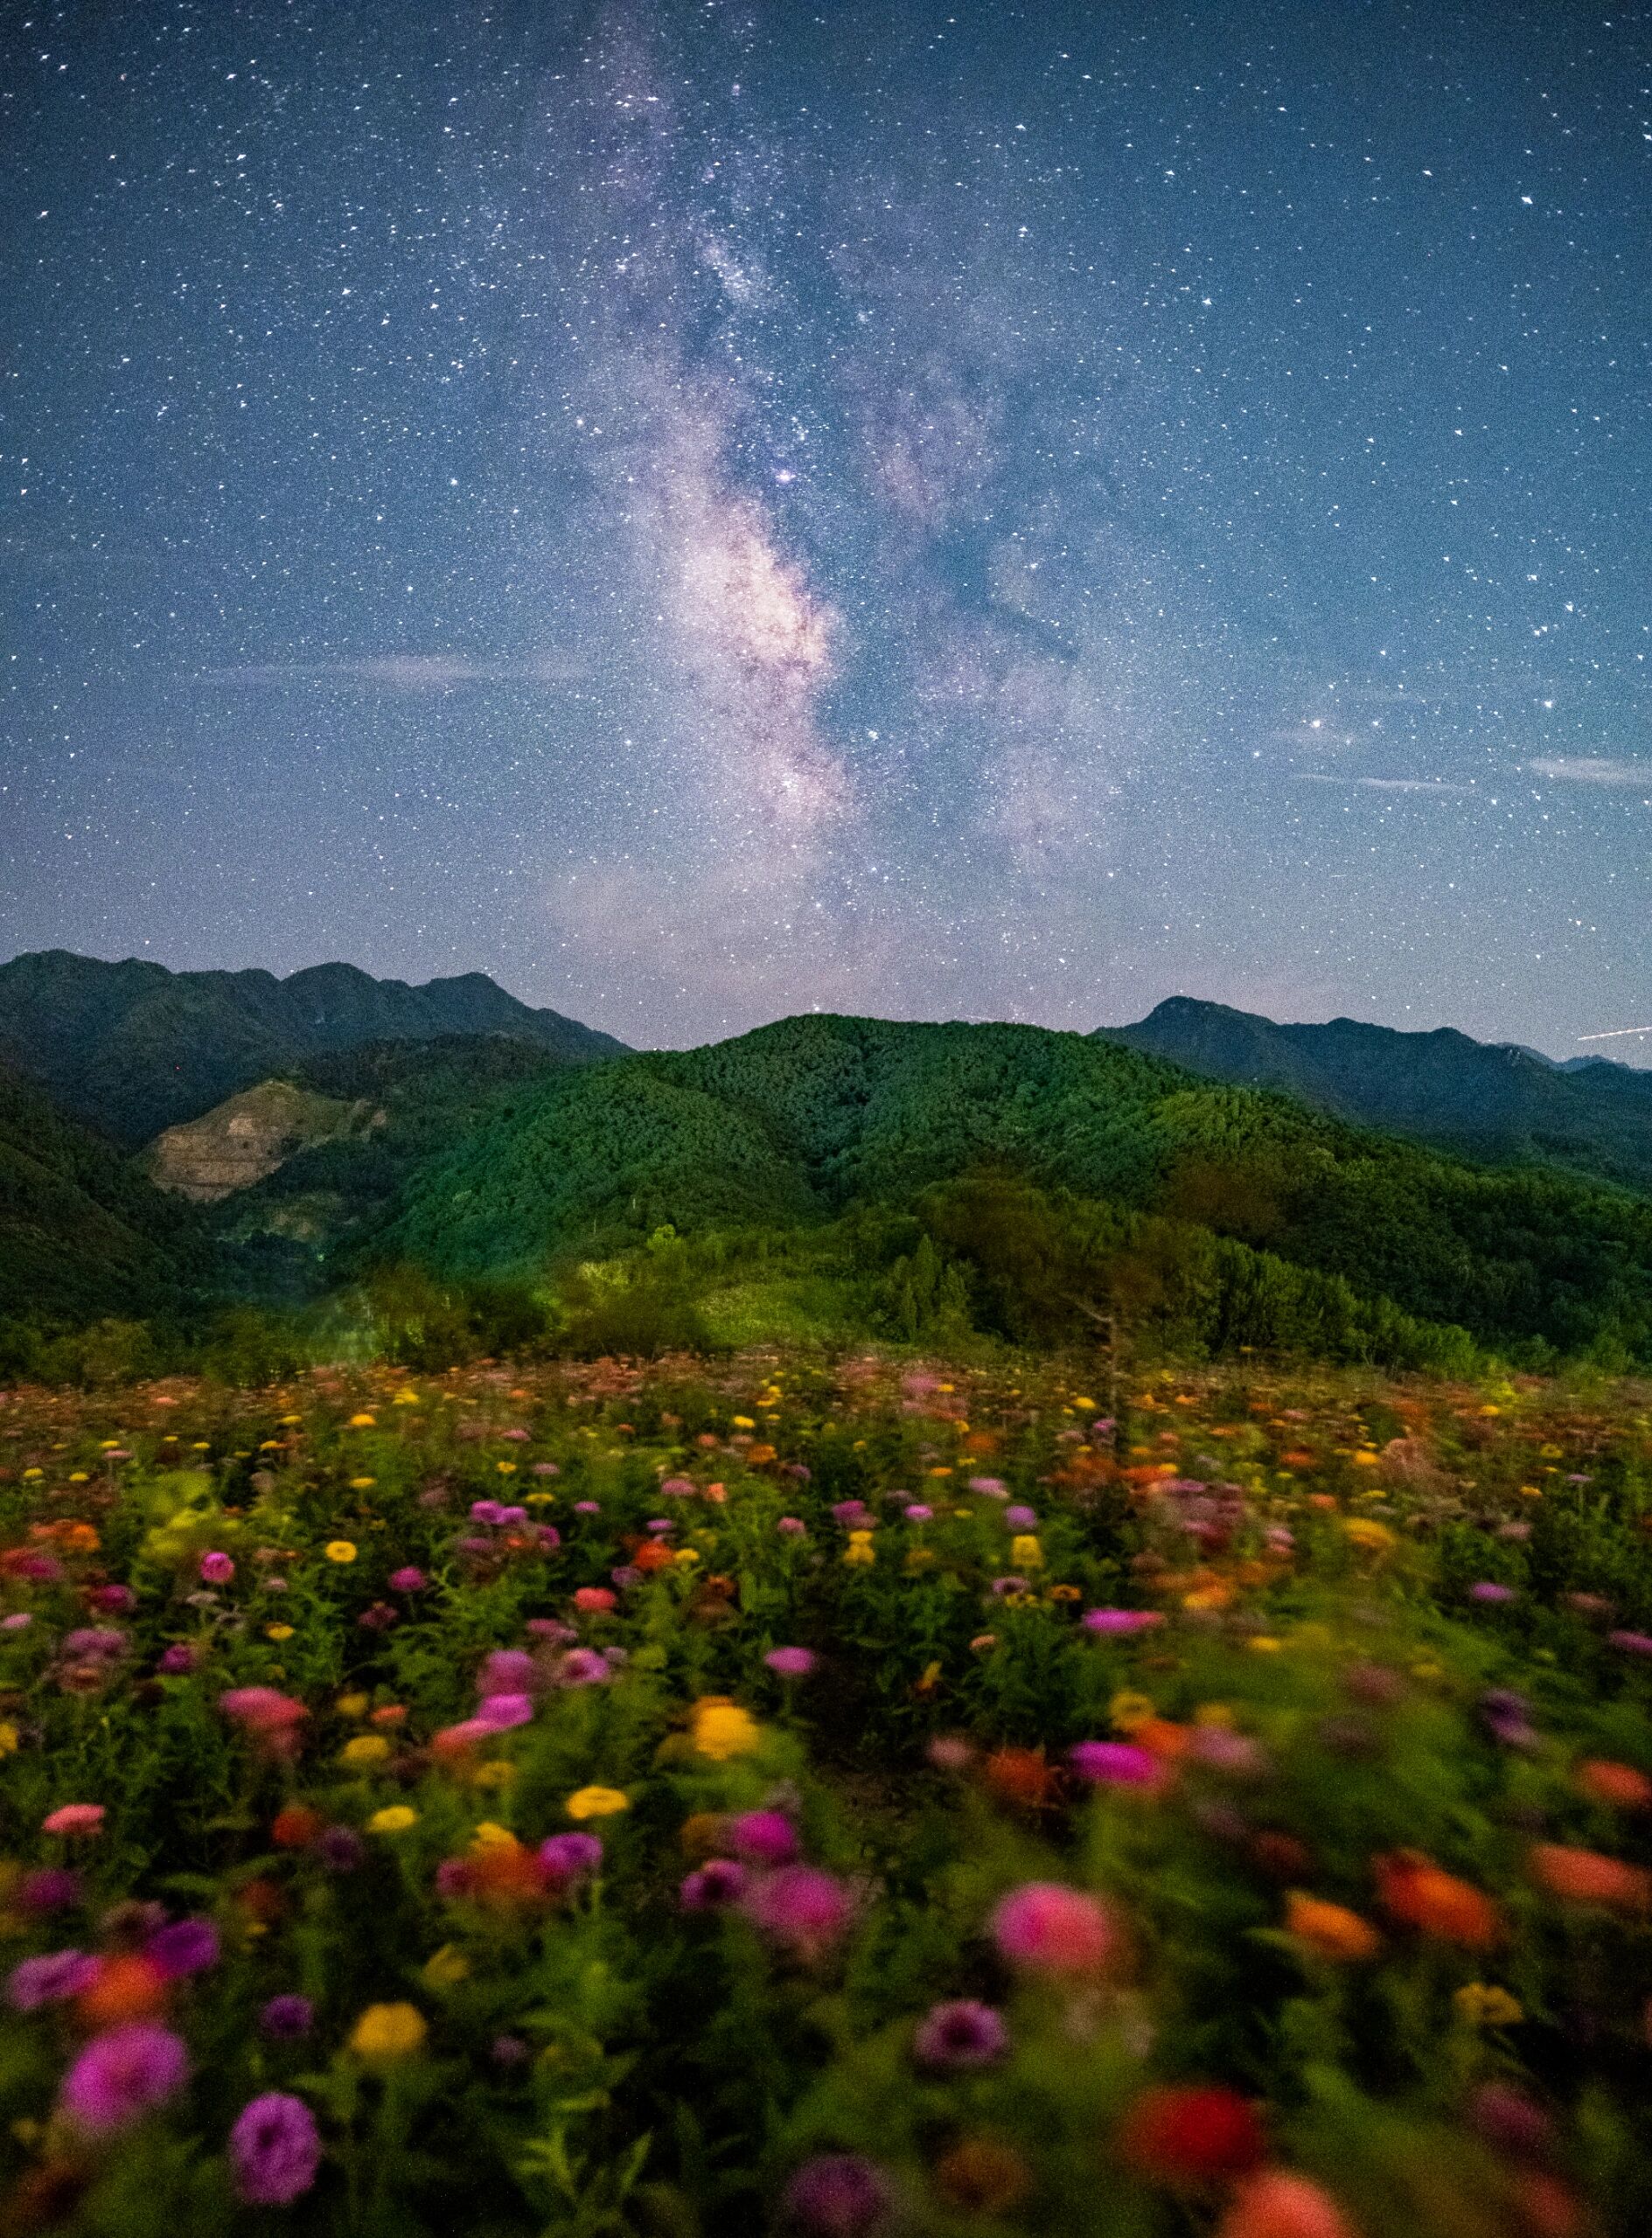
(1487, 1100)
(793, 1122)
(133, 1048)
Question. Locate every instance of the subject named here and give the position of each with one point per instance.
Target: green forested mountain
(796, 1122)
(133, 1048)
(83, 1233)
(1491, 1101)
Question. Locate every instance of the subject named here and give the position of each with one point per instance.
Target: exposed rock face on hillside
(246, 1139)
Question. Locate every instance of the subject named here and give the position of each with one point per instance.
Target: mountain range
(133, 1048)
(1490, 1101)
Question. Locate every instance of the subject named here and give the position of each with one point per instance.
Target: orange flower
(1160, 1736)
(1587, 1876)
(296, 1826)
(1603, 1781)
(126, 1987)
(651, 1556)
(1329, 1930)
(1019, 1775)
(505, 1876)
(1278, 2203)
(1424, 1895)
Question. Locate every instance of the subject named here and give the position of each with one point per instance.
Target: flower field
(832, 1799)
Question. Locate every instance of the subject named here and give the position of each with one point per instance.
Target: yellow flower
(9, 1738)
(388, 2032)
(1088, 1405)
(278, 1631)
(77, 1476)
(288, 1419)
(363, 1422)
(860, 1553)
(1264, 1643)
(684, 1557)
(744, 1422)
(596, 1802)
(446, 1967)
(722, 1729)
(339, 1550)
(539, 1499)
(351, 1705)
(1025, 1552)
(1364, 1531)
(406, 1399)
(366, 1748)
(1481, 2005)
(489, 1834)
(506, 1468)
(1128, 1709)
(395, 1819)
(362, 1483)
(28, 1474)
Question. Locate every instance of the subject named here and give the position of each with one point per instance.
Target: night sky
(709, 511)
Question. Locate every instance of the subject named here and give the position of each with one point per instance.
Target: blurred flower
(596, 1802)
(185, 1947)
(839, 2195)
(1587, 1877)
(963, 2033)
(1413, 1889)
(1330, 1931)
(1618, 1784)
(1116, 1763)
(1278, 2203)
(275, 2149)
(790, 1662)
(49, 1980)
(567, 1858)
(766, 1837)
(121, 2075)
(983, 2176)
(407, 1580)
(719, 1881)
(1109, 1623)
(74, 1819)
(395, 1819)
(287, 2017)
(1191, 2133)
(722, 1729)
(1046, 1927)
(801, 1907)
(386, 2033)
(217, 1569)
(339, 1550)
(1481, 2005)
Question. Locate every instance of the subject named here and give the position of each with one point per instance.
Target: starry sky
(709, 511)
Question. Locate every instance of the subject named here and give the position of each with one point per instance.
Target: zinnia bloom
(800, 1907)
(1116, 1764)
(1046, 1927)
(1180, 2133)
(275, 2149)
(963, 2033)
(596, 1802)
(1422, 1894)
(1330, 1931)
(790, 1663)
(569, 1857)
(186, 1947)
(763, 1838)
(78, 1818)
(49, 1980)
(287, 2017)
(388, 2032)
(839, 2195)
(1278, 2203)
(1587, 1877)
(120, 2076)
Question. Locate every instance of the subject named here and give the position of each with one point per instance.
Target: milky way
(707, 512)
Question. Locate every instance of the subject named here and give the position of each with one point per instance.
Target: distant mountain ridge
(134, 1048)
(1491, 1101)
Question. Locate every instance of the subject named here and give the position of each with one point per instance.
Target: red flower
(1192, 2133)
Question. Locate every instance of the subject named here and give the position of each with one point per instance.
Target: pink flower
(410, 1580)
(1110, 1622)
(964, 2033)
(275, 2149)
(508, 1671)
(801, 1907)
(790, 1663)
(84, 1818)
(839, 2195)
(262, 1710)
(1046, 1927)
(595, 1600)
(121, 2075)
(499, 1712)
(217, 1569)
(765, 1838)
(1116, 1764)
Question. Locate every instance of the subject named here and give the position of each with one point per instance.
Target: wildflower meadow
(836, 1798)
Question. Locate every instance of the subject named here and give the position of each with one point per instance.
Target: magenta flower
(121, 2075)
(964, 2033)
(1116, 1764)
(582, 1667)
(839, 2195)
(1020, 1518)
(918, 1511)
(185, 1947)
(508, 1671)
(719, 1882)
(501, 1711)
(765, 1838)
(1046, 1927)
(1634, 1643)
(287, 2017)
(177, 1661)
(275, 2149)
(410, 1580)
(1493, 1595)
(570, 1858)
(262, 1710)
(1111, 1621)
(217, 1569)
(51, 1980)
(802, 1908)
(790, 1663)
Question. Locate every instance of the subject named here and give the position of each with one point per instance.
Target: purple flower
(1493, 1595)
(49, 1980)
(380, 1618)
(677, 1487)
(121, 2075)
(763, 1838)
(993, 1487)
(546, 1468)
(570, 1858)
(185, 1947)
(507, 2050)
(19, 1621)
(508, 1671)
(626, 1576)
(964, 2033)
(718, 1882)
(341, 1849)
(1019, 1518)
(409, 1580)
(588, 1507)
(486, 1511)
(839, 2195)
(1002, 1585)
(502, 1712)
(919, 1512)
(275, 2149)
(660, 1526)
(801, 1907)
(550, 1628)
(790, 1662)
(178, 1660)
(287, 2017)
(1120, 1621)
(1634, 1643)
(849, 1511)
(1115, 1764)
(582, 1667)
(114, 1601)
(52, 1888)
(94, 1644)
